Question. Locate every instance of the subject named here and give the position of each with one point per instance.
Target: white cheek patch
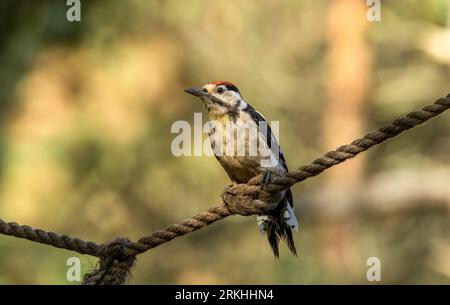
(236, 96)
(229, 98)
(232, 98)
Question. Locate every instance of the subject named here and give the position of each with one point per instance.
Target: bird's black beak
(196, 92)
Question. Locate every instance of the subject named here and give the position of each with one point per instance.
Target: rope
(118, 256)
(50, 238)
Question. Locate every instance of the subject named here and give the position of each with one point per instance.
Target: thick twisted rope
(50, 238)
(118, 256)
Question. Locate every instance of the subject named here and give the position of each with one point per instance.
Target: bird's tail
(279, 226)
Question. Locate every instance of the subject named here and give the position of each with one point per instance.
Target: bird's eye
(220, 90)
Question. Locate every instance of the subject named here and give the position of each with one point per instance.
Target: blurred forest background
(86, 110)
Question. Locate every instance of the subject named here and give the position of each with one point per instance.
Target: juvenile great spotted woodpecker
(224, 104)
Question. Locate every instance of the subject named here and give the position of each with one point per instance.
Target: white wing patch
(289, 218)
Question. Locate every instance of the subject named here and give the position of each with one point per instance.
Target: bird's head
(220, 97)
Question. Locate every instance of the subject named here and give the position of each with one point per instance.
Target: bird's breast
(238, 151)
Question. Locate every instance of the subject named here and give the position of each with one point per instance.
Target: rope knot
(116, 260)
(119, 249)
(250, 199)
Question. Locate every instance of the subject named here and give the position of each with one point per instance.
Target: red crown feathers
(229, 85)
(222, 82)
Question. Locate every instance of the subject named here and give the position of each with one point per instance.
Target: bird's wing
(268, 136)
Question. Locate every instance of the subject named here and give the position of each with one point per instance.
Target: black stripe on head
(232, 87)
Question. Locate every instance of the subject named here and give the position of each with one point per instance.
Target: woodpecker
(224, 104)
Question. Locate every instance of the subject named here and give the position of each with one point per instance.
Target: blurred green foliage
(86, 110)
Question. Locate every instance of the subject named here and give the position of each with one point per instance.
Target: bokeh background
(86, 110)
